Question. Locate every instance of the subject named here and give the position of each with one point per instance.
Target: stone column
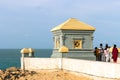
(62, 40)
(54, 42)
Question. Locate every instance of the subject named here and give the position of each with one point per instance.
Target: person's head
(95, 47)
(106, 45)
(101, 45)
(114, 46)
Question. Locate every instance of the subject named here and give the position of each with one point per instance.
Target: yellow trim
(73, 24)
(63, 49)
(24, 50)
(78, 44)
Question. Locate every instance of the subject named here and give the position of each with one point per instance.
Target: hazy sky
(27, 23)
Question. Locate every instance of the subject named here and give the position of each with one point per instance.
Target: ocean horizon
(11, 57)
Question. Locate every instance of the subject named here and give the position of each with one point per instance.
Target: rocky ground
(14, 73)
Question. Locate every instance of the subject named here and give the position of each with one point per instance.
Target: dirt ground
(55, 75)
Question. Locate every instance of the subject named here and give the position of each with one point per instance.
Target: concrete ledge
(95, 68)
(41, 63)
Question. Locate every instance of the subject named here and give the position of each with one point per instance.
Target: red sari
(115, 54)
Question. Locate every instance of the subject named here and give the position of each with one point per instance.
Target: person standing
(107, 53)
(114, 53)
(96, 53)
(101, 52)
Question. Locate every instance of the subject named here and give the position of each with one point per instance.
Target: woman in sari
(114, 53)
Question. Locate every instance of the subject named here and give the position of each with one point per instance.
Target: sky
(27, 23)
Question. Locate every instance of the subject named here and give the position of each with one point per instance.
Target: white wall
(41, 63)
(102, 69)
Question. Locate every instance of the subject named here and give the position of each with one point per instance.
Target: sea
(11, 57)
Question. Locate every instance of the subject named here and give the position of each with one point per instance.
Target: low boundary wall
(95, 68)
(40, 63)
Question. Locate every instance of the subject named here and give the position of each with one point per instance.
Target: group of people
(104, 54)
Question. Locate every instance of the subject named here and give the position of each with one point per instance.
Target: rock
(13, 78)
(14, 73)
(11, 69)
(7, 77)
(1, 78)
(32, 73)
(1, 72)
